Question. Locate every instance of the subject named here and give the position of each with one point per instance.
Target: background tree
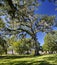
(11, 40)
(50, 43)
(22, 45)
(3, 44)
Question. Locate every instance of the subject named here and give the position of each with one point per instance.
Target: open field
(29, 60)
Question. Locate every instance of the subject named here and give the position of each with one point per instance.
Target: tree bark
(37, 46)
(12, 52)
(5, 51)
(36, 50)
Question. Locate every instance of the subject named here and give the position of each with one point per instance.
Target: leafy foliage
(22, 45)
(50, 43)
(2, 24)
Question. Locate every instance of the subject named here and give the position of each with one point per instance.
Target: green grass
(29, 60)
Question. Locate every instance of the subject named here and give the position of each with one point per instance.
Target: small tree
(50, 43)
(22, 45)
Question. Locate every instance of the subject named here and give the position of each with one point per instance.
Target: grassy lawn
(29, 60)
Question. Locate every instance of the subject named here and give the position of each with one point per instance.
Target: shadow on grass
(28, 63)
(13, 57)
(21, 56)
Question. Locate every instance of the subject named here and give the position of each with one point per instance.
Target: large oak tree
(20, 17)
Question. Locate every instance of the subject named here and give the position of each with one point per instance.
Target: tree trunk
(12, 52)
(37, 46)
(36, 51)
(5, 51)
(4, 48)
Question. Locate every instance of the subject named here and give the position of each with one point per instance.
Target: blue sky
(40, 37)
(45, 8)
